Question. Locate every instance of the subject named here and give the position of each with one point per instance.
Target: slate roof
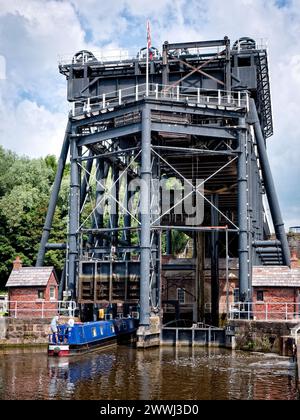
(276, 277)
(29, 276)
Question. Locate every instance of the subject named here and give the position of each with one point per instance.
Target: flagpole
(147, 64)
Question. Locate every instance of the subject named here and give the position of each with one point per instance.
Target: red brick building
(32, 291)
(276, 291)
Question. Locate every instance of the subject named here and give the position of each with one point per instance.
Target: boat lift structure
(204, 119)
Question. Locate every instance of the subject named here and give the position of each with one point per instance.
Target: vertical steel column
(169, 242)
(269, 185)
(127, 217)
(115, 205)
(73, 218)
(145, 216)
(228, 64)
(101, 174)
(215, 262)
(165, 68)
(242, 212)
(249, 211)
(54, 196)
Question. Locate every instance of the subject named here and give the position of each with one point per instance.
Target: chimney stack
(294, 260)
(17, 264)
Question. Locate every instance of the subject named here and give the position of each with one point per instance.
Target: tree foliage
(25, 186)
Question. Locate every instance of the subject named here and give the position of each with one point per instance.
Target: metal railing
(105, 55)
(188, 95)
(265, 311)
(37, 308)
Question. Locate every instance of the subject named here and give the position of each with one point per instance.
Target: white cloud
(31, 129)
(34, 32)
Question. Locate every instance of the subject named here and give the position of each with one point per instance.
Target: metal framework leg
(145, 217)
(215, 262)
(74, 218)
(269, 185)
(242, 213)
(54, 196)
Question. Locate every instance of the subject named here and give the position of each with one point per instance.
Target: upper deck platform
(207, 69)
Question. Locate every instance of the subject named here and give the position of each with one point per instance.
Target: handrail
(191, 95)
(265, 311)
(38, 307)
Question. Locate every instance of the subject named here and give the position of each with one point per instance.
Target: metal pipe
(257, 244)
(269, 185)
(145, 217)
(54, 196)
(242, 213)
(55, 246)
(269, 250)
(73, 218)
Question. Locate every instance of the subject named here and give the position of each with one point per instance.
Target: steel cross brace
(195, 189)
(109, 193)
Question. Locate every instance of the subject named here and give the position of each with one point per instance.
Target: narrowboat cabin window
(112, 328)
(101, 330)
(94, 332)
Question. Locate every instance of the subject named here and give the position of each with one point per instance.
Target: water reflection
(166, 373)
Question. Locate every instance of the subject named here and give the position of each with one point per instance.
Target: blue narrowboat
(88, 336)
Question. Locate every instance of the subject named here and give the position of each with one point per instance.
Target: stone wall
(24, 331)
(261, 336)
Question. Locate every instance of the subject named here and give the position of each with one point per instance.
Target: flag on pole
(149, 46)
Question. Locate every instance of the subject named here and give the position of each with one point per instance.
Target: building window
(181, 296)
(41, 294)
(260, 296)
(52, 293)
(236, 295)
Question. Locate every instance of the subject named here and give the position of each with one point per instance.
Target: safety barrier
(37, 308)
(265, 311)
(188, 95)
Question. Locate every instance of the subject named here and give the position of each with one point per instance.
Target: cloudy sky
(33, 33)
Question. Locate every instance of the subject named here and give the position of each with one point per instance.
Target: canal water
(166, 373)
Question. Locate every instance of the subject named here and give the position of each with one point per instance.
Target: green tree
(25, 186)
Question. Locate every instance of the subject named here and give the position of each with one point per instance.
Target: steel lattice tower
(207, 117)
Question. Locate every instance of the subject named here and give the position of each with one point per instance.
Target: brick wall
(278, 303)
